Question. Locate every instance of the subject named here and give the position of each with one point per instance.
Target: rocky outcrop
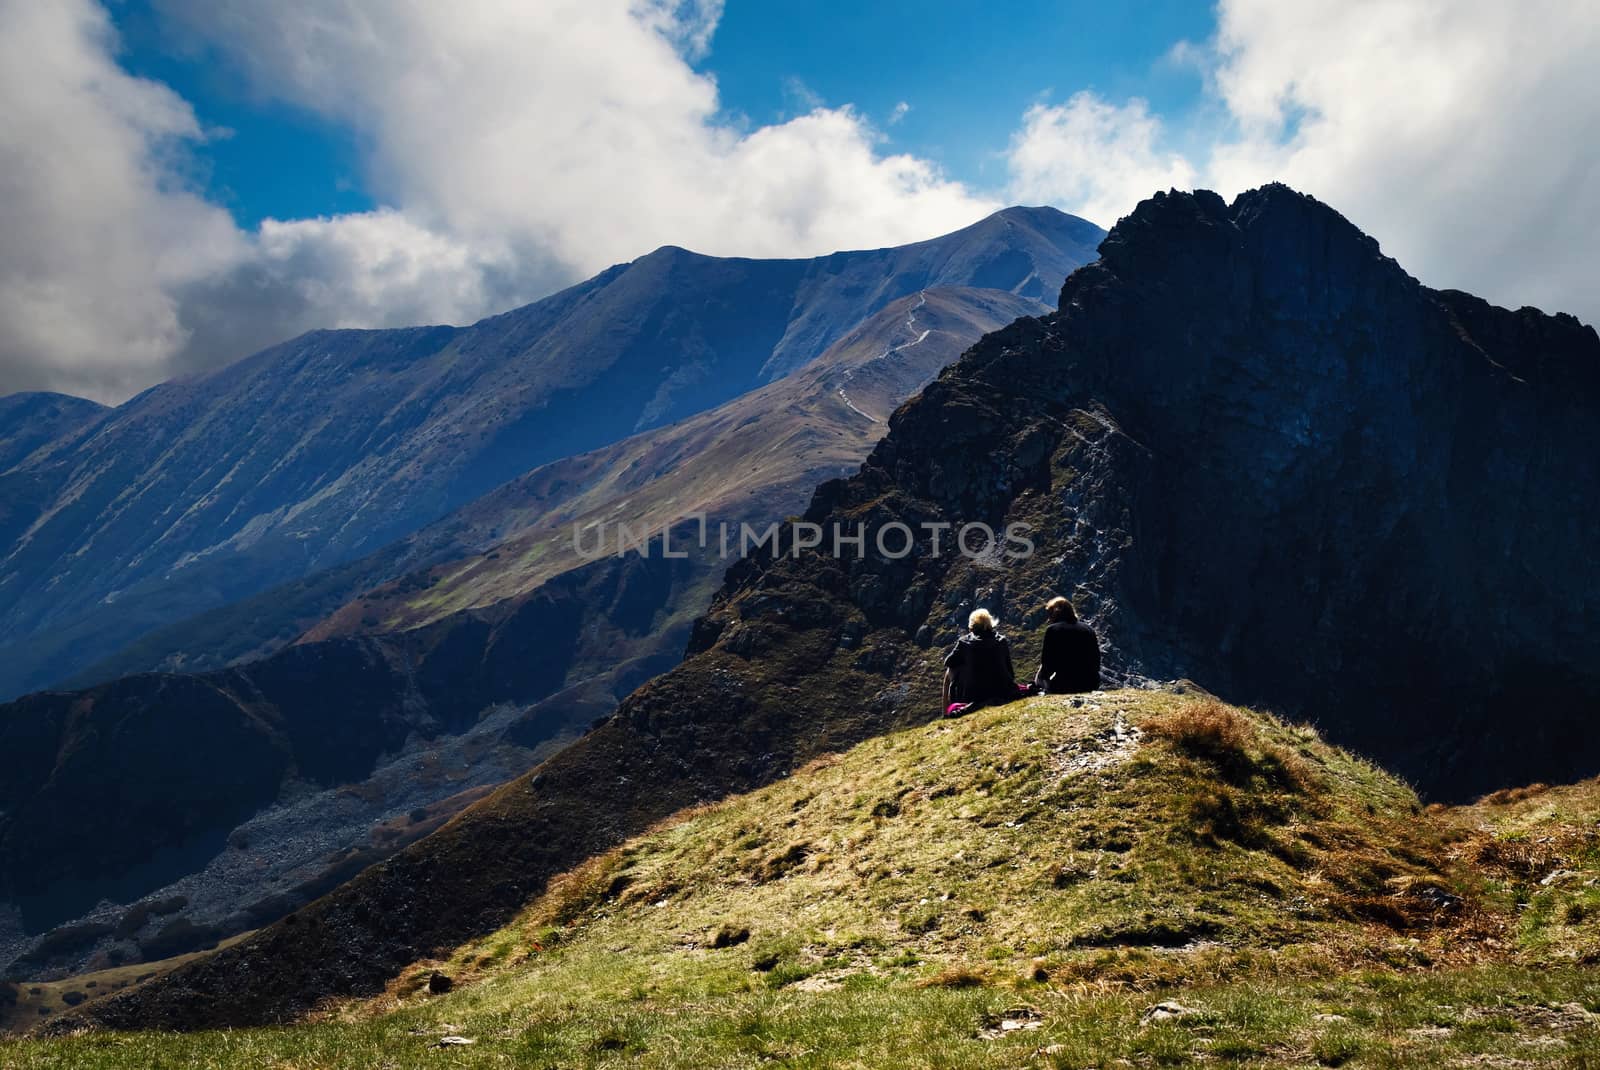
(1351, 498)
(1254, 450)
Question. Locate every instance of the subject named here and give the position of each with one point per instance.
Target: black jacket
(981, 667)
(1072, 653)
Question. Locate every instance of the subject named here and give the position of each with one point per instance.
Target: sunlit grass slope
(1150, 877)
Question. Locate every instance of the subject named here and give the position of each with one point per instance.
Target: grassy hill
(1125, 878)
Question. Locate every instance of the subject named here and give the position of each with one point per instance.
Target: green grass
(1014, 888)
(1470, 1017)
(1537, 853)
(23, 1004)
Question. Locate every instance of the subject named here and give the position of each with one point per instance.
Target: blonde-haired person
(1069, 656)
(977, 671)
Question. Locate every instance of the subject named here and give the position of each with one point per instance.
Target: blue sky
(965, 73)
(265, 158)
(967, 70)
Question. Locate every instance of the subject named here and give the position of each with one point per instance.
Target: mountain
(757, 457)
(248, 791)
(203, 491)
(1249, 445)
(34, 420)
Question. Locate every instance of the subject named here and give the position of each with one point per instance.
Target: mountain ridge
(203, 491)
(33, 420)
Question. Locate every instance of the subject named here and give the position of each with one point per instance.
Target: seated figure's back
(981, 664)
(1070, 659)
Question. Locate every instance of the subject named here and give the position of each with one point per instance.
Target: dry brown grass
(1529, 856)
(1507, 796)
(1380, 868)
(1213, 732)
(1206, 729)
(575, 892)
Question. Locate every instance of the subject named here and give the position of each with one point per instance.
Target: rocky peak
(1269, 460)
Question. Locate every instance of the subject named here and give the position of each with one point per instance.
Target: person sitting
(1069, 661)
(978, 671)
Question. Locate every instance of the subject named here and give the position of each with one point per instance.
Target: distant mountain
(756, 456)
(1256, 452)
(204, 491)
(31, 421)
(247, 791)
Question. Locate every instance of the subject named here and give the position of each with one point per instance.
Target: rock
(1440, 899)
(454, 1042)
(850, 634)
(1557, 876)
(440, 983)
(1016, 1020)
(1166, 1012)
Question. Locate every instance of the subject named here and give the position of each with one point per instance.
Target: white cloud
(576, 128)
(94, 236)
(1465, 137)
(1098, 158)
(519, 146)
(391, 268)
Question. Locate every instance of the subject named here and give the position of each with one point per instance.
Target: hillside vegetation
(1124, 878)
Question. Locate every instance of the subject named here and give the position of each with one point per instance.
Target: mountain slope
(756, 458)
(33, 420)
(1027, 881)
(204, 491)
(190, 757)
(1231, 443)
(262, 834)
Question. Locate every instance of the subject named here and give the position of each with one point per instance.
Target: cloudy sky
(185, 181)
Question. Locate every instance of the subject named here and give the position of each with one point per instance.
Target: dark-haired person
(977, 671)
(1069, 661)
